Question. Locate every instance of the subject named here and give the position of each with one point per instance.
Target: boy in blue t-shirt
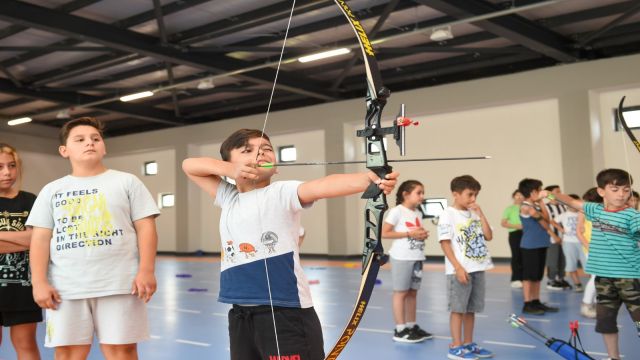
(614, 254)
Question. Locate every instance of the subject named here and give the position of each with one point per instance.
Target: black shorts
(11, 318)
(252, 336)
(533, 261)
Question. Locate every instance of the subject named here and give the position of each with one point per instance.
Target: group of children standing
(601, 232)
(92, 241)
(463, 231)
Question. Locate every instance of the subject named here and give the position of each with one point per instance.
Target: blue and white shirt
(258, 225)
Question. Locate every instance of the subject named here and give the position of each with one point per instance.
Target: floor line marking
(594, 324)
(376, 330)
(537, 320)
(440, 337)
(509, 344)
(155, 307)
(189, 342)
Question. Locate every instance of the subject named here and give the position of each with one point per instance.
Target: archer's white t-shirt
(403, 220)
(258, 225)
(464, 229)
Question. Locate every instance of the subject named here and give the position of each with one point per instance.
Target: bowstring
(626, 157)
(264, 126)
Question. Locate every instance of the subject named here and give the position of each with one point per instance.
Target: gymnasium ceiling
(62, 58)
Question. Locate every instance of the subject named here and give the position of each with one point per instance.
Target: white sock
(400, 328)
(410, 324)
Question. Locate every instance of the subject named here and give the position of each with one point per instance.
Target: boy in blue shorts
(614, 255)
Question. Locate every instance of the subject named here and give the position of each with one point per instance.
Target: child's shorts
(611, 294)
(406, 274)
(533, 261)
(572, 254)
(11, 318)
(467, 298)
(115, 319)
(252, 336)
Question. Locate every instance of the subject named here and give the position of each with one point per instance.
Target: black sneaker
(531, 309)
(406, 336)
(565, 285)
(544, 307)
(554, 285)
(421, 333)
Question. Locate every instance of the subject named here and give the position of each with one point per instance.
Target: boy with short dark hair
(536, 232)
(463, 231)
(93, 251)
(614, 255)
(262, 219)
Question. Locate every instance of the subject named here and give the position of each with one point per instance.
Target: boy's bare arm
(343, 184)
(7, 247)
(207, 172)
(145, 284)
(21, 238)
(461, 273)
(507, 225)
(43, 293)
(486, 228)
(566, 199)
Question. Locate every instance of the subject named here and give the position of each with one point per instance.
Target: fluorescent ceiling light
(206, 84)
(441, 34)
(19, 121)
(324, 55)
(63, 114)
(632, 117)
(136, 96)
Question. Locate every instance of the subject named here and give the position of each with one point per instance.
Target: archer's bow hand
(387, 184)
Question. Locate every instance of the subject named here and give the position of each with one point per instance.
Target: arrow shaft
(391, 161)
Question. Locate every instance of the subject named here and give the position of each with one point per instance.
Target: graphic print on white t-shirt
(257, 227)
(464, 229)
(404, 220)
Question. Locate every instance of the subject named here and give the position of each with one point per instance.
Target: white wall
(164, 182)
(41, 168)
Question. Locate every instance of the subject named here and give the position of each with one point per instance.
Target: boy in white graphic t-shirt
(463, 231)
(272, 312)
(93, 251)
(403, 225)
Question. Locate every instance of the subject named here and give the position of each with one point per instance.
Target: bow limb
(626, 128)
(376, 160)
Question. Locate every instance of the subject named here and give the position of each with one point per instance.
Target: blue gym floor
(188, 323)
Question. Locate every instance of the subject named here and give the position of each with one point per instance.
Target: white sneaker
(516, 284)
(588, 310)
